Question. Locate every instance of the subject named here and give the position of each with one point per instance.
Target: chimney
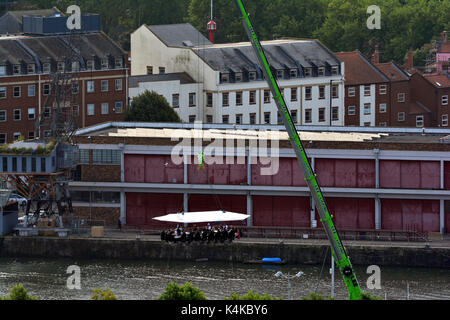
(444, 37)
(409, 61)
(376, 56)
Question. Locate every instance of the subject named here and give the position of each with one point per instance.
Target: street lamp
(280, 274)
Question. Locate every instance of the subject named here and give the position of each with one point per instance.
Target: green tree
(251, 296)
(18, 292)
(100, 294)
(187, 291)
(151, 107)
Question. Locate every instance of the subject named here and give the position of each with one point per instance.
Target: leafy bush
(368, 296)
(185, 292)
(100, 294)
(313, 296)
(18, 292)
(251, 296)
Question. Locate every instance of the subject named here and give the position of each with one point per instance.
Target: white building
(230, 85)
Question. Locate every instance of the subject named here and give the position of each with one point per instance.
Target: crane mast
(339, 253)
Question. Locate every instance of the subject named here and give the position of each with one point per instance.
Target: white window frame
(104, 108)
(321, 71)
(20, 114)
(90, 86)
(367, 91)
(31, 113)
(47, 89)
(91, 109)
(383, 107)
(46, 67)
(351, 110)
(444, 100)
(420, 121)
(383, 89)
(445, 120)
(308, 111)
(118, 84)
(401, 97)
(4, 112)
(351, 91)
(3, 93)
(105, 85)
(31, 90)
(118, 106)
(401, 116)
(4, 137)
(14, 92)
(176, 100)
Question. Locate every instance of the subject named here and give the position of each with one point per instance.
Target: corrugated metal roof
(179, 35)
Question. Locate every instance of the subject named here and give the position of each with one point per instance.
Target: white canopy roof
(200, 217)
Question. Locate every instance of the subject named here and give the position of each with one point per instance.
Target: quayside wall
(239, 252)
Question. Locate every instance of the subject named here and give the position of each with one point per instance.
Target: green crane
(337, 248)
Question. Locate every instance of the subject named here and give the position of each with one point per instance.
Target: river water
(146, 280)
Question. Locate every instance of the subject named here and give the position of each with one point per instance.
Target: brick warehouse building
(372, 178)
(98, 86)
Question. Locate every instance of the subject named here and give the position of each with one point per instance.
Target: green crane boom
(339, 253)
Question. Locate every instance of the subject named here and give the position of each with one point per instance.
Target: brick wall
(100, 173)
(110, 216)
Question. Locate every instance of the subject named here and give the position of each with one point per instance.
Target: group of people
(204, 234)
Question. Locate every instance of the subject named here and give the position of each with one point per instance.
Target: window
(105, 64)
(321, 92)
(17, 114)
(266, 96)
(90, 86)
(209, 118)
(2, 115)
(352, 110)
(321, 71)
(46, 68)
(293, 73)
(75, 87)
(308, 115)
(119, 84)
(118, 62)
(294, 116)
(401, 97)
(105, 85)
(445, 100)
(401, 116)
(75, 66)
(335, 70)
(176, 100)
(16, 69)
(252, 97)
(335, 113)
(31, 90)
(43, 164)
(252, 76)
(383, 89)
(2, 70)
(17, 92)
(321, 114)
(149, 70)
(267, 117)
(47, 113)
(366, 124)
(252, 118)
(419, 121)
(225, 99)
(60, 66)
(14, 164)
(105, 108)
(224, 77)
(47, 89)
(31, 135)
(238, 77)
(16, 135)
(383, 107)
(84, 156)
(162, 70)
(90, 109)
(383, 124)
(308, 72)
(280, 74)
(2, 92)
(239, 98)
(351, 91)
(90, 65)
(308, 93)
(225, 119)
(24, 164)
(445, 120)
(31, 68)
(101, 156)
(3, 141)
(209, 99)
(367, 92)
(191, 119)
(47, 133)
(239, 119)
(367, 109)
(293, 94)
(118, 106)
(192, 102)
(335, 91)
(31, 113)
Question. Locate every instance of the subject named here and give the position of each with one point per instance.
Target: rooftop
(359, 70)
(11, 21)
(438, 80)
(183, 77)
(179, 35)
(392, 71)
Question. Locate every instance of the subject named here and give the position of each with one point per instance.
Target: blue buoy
(271, 260)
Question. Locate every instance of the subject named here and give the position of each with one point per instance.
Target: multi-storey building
(443, 54)
(367, 92)
(372, 178)
(231, 84)
(98, 81)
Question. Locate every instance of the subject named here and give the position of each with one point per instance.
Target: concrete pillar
(123, 207)
(442, 175)
(377, 168)
(186, 202)
(250, 210)
(377, 213)
(442, 216)
(313, 220)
